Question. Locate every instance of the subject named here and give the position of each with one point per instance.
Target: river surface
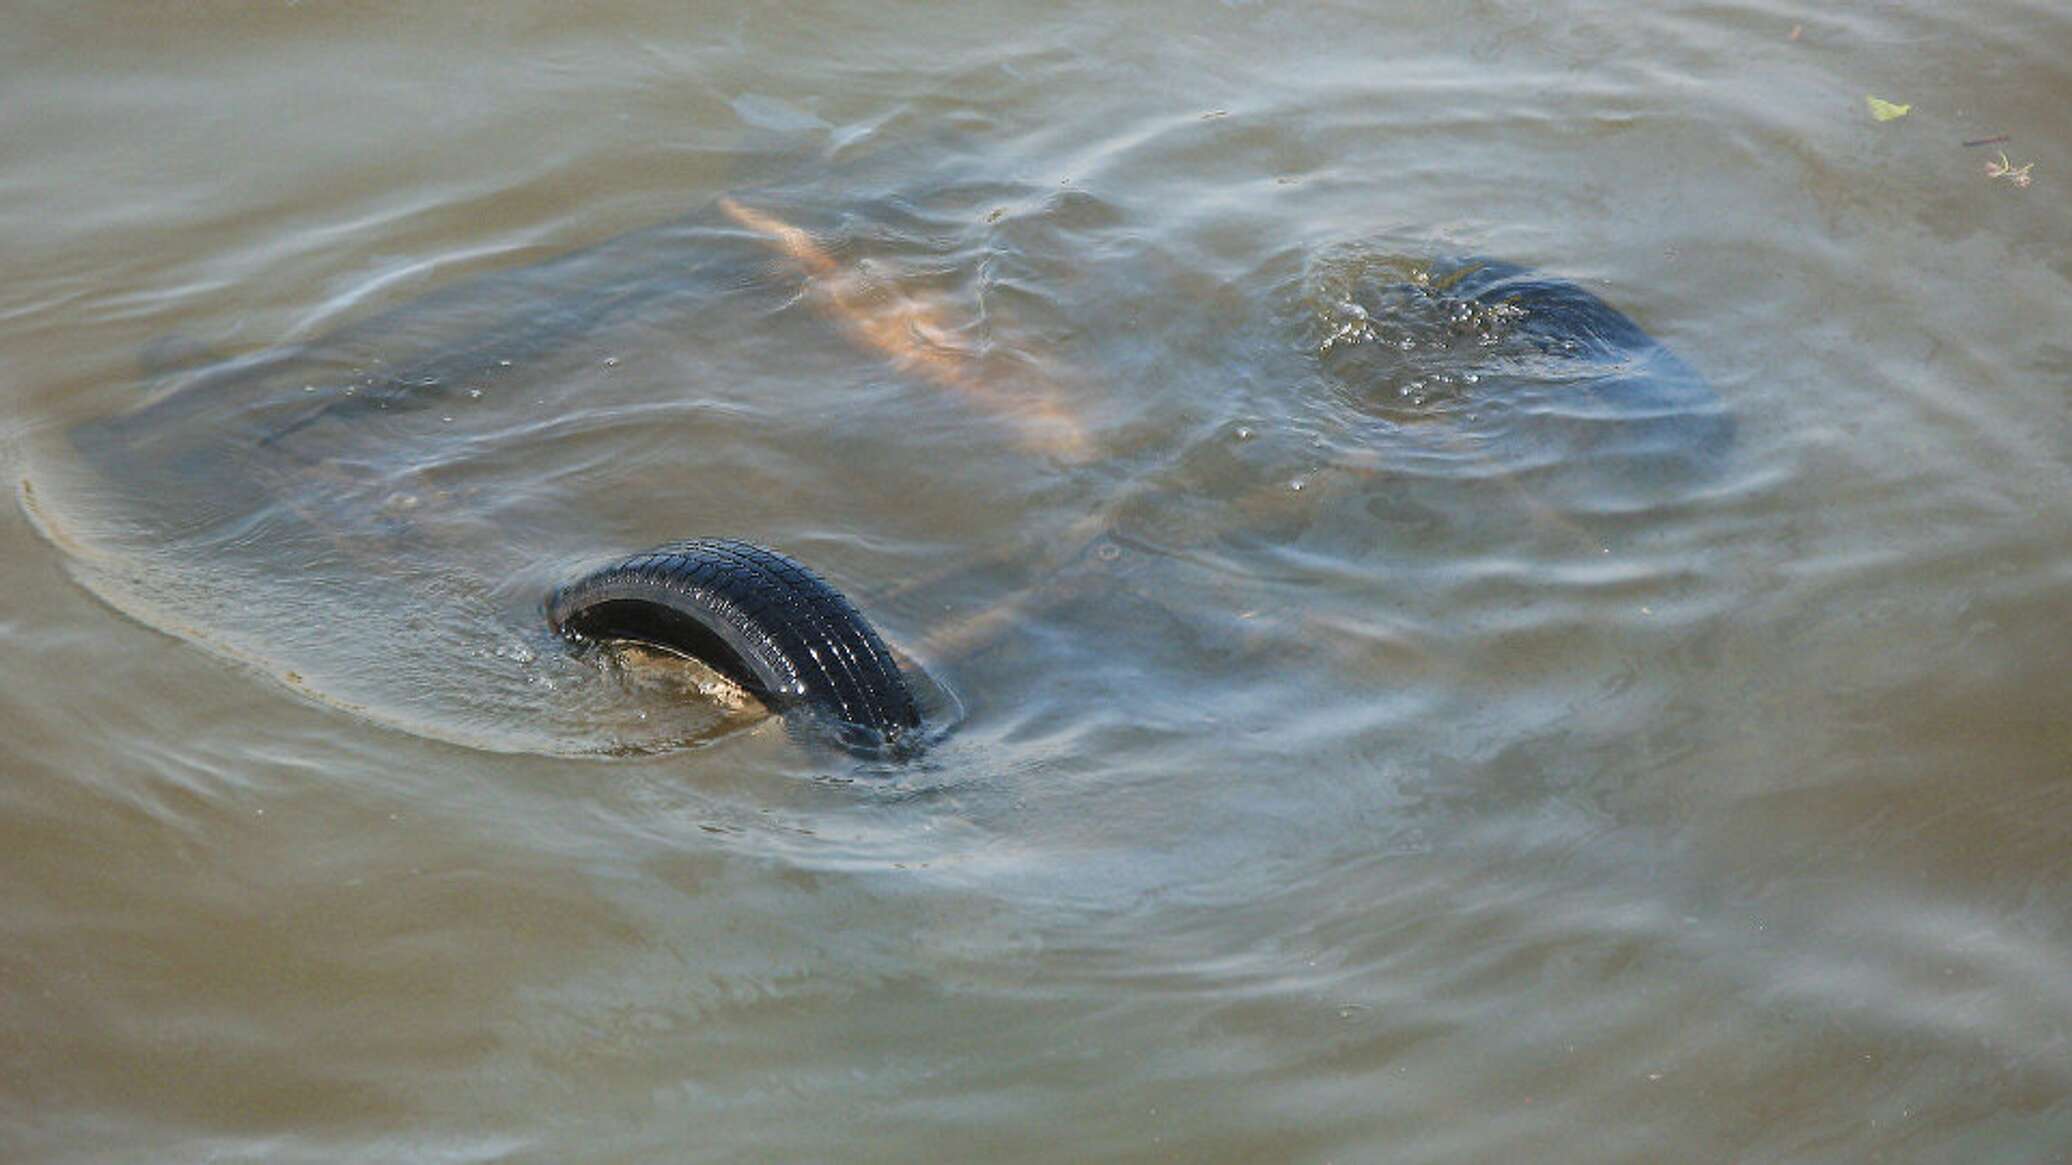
(1339, 758)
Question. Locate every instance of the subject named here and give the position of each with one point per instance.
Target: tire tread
(800, 640)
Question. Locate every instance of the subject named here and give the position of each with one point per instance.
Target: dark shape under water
(1507, 370)
(367, 516)
(270, 506)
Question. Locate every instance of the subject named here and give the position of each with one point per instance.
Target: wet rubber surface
(765, 621)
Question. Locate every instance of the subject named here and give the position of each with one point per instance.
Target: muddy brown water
(1345, 760)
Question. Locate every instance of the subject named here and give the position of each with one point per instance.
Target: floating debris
(2002, 168)
(1995, 140)
(1885, 110)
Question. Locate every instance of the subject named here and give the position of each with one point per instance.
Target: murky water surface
(1381, 721)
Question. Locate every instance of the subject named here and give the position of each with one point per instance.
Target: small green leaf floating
(1885, 110)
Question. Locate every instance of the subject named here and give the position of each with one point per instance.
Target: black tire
(758, 617)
